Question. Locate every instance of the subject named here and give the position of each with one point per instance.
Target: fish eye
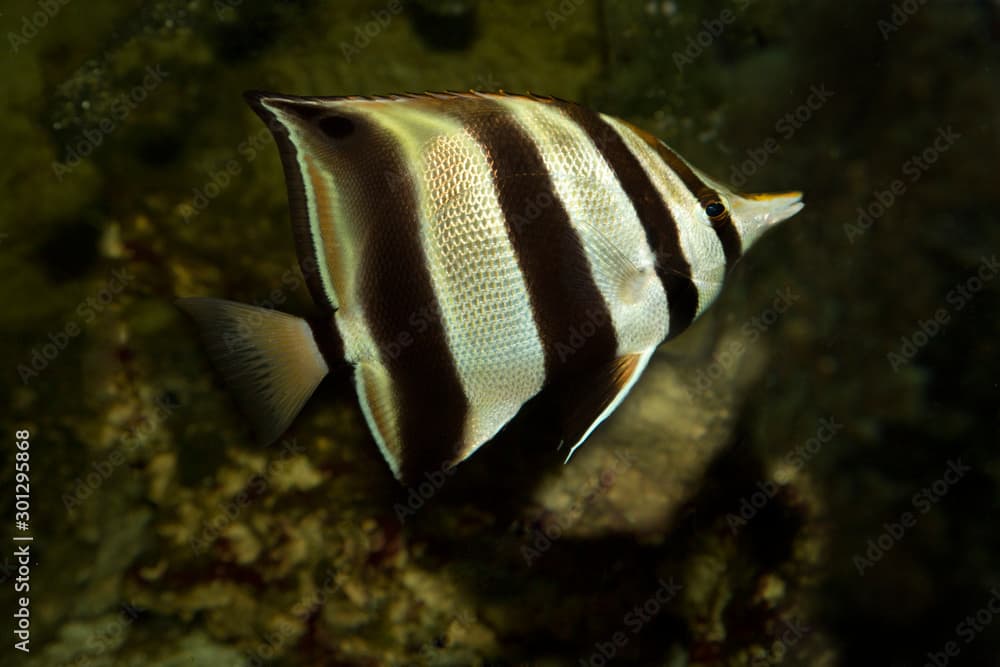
(715, 209)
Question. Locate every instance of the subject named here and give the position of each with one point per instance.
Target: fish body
(467, 251)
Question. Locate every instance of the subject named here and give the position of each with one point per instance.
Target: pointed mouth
(780, 205)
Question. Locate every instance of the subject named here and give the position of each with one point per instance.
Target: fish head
(740, 219)
(754, 214)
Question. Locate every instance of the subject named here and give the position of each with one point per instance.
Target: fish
(467, 251)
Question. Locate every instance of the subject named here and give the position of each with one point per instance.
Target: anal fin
(599, 394)
(378, 403)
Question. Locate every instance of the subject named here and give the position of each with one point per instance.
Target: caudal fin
(269, 359)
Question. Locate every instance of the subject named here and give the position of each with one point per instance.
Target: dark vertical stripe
(394, 284)
(329, 342)
(732, 244)
(662, 233)
(724, 227)
(573, 320)
(297, 202)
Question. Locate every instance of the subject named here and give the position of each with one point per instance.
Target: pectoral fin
(599, 394)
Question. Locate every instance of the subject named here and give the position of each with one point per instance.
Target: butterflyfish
(467, 251)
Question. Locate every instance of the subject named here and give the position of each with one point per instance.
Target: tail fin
(269, 359)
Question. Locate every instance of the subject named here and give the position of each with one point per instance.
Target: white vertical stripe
(336, 232)
(376, 396)
(614, 240)
(334, 240)
(316, 231)
(699, 242)
(484, 302)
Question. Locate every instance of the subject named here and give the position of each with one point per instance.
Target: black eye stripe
(336, 127)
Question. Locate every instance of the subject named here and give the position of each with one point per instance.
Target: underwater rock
(645, 463)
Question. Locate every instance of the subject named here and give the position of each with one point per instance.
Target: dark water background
(821, 487)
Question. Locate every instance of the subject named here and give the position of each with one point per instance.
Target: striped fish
(467, 251)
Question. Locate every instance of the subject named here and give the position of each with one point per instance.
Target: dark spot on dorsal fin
(306, 111)
(337, 127)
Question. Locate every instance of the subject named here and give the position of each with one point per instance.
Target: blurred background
(809, 476)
